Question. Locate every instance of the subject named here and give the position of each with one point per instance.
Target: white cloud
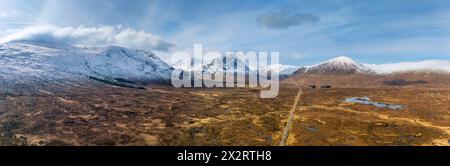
(91, 36)
(4, 14)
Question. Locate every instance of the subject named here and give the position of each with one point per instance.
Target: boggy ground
(323, 119)
(99, 114)
(93, 113)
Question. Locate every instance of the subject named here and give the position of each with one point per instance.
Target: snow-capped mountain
(345, 65)
(428, 66)
(211, 66)
(28, 60)
(182, 64)
(225, 63)
(283, 70)
(338, 65)
(136, 65)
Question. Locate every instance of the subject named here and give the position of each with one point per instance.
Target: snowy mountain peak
(128, 64)
(54, 61)
(342, 60)
(224, 63)
(428, 66)
(338, 65)
(212, 65)
(282, 70)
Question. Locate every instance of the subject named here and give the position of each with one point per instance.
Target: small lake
(367, 101)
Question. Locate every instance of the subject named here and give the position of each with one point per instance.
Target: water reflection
(366, 101)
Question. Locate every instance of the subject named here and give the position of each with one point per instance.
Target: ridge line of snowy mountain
(22, 60)
(29, 60)
(346, 65)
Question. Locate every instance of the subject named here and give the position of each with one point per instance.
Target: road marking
(290, 119)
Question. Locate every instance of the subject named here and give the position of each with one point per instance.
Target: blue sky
(303, 31)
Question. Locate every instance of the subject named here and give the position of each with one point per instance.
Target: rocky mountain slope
(22, 61)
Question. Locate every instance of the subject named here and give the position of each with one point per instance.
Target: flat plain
(94, 113)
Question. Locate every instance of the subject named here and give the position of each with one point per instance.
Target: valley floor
(93, 113)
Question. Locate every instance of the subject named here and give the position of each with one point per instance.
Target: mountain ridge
(341, 65)
(31, 60)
